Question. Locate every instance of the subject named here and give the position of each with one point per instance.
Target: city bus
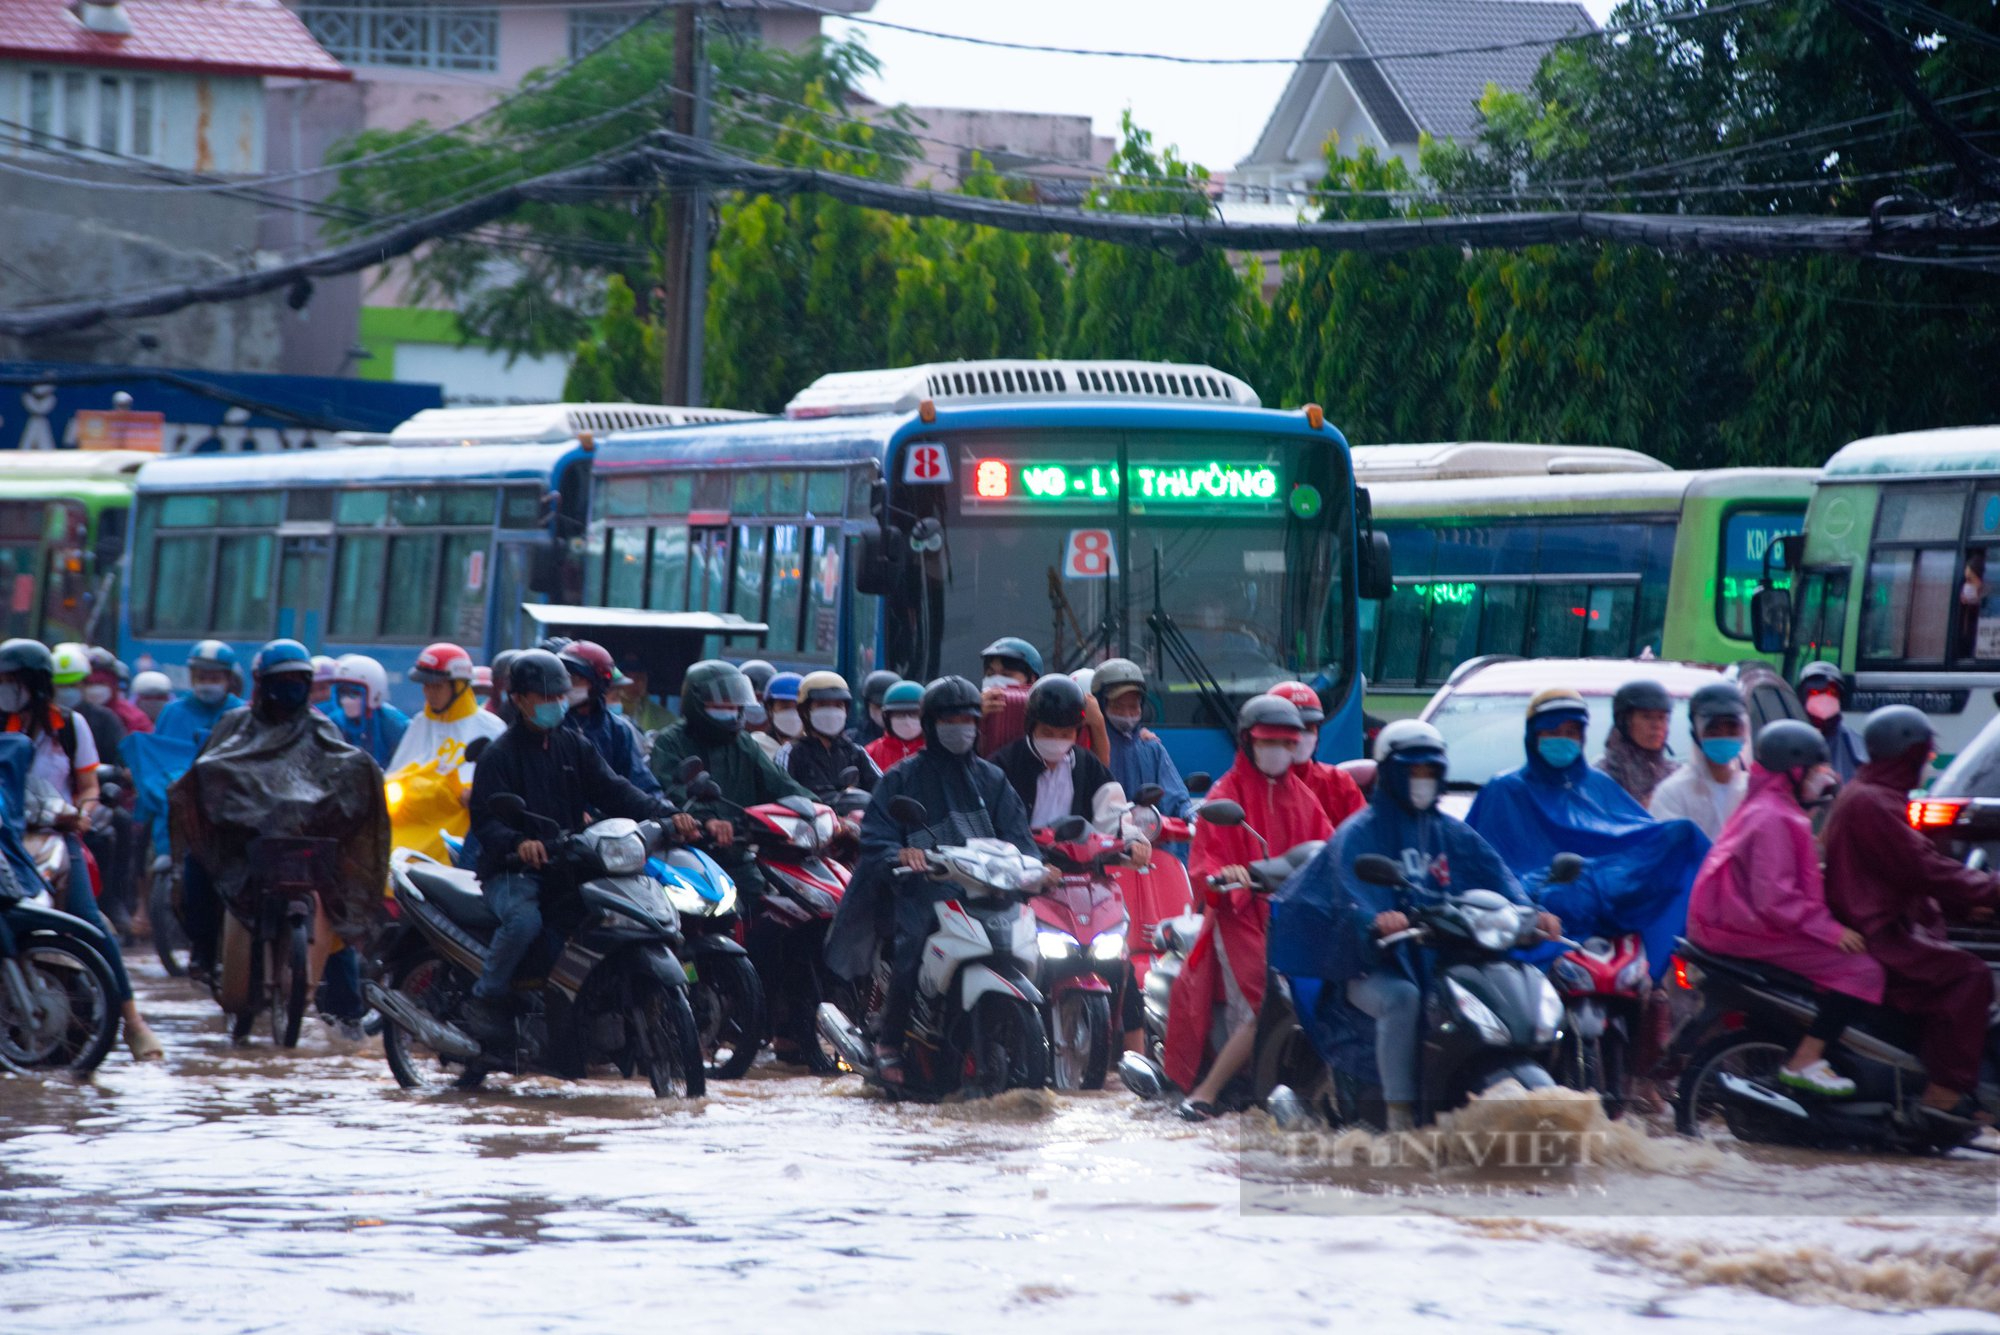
(62, 535)
(442, 534)
(1567, 557)
(904, 519)
(1897, 578)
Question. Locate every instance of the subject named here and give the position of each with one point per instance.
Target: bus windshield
(1230, 535)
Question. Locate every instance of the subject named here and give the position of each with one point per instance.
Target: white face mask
(957, 738)
(829, 720)
(786, 722)
(997, 683)
(1423, 793)
(209, 692)
(906, 726)
(1304, 750)
(1052, 749)
(1125, 723)
(1273, 759)
(97, 695)
(13, 695)
(350, 705)
(578, 694)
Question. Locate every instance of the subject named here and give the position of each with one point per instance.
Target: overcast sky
(1213, 113)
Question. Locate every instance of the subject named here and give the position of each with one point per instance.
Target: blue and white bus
(904, 519)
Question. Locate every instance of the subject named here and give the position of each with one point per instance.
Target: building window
(142, 118)
(108, 98)
(41, 107)
(70, 112)
(387, 32)
(592, 28)
(76, 103)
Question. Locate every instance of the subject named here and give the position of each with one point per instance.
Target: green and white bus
(1577, 552)
(62, 538)
(1898, 577)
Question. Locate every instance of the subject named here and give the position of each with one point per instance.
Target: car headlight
(1495, 929)
(1548, 1014)
(1109, 946)
(1632, 978)
(622, 854)
(1055, 945)
(1481, 1016)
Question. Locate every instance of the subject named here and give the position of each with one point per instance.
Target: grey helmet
(537, 672)
(1718, 699)
(1266, 711)
(1116, 674)
(1789, 745)
(1823, 673)
(1895, 731)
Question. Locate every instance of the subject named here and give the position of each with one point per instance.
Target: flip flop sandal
(1193, 1110)
(145, 1046)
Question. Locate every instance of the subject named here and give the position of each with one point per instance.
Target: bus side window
(1503, 621)
(359, 566)
(625, 567)
(1402, 633)
(747, 597)
(461, 614)
(1560, 613)
(1607, 631)
(182, 569)
(667, 575)
(788, 562)
(822, 638)
(243, 598)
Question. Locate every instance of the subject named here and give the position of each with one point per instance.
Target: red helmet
(590, 661)
(1305, 697)
(442, 662)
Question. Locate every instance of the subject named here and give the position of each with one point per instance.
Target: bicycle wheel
(289, 969)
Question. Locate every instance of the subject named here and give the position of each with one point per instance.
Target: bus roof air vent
(546, 423)
(1455, 459)
(967, 384)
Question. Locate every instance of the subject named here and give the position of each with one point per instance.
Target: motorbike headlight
(1055, 945)
(798, 831)
(392, 794)
(1548, 1015)
(1110, 946)
(824, 824)
(684, 897)
(1571, 975)
(1481, 1017)
(1143, 822)
(1495, 929)
(622, 854)
(1632, 978)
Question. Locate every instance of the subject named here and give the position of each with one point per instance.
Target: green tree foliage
(620, 360)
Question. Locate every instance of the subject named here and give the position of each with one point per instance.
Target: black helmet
(28, 657)
(1823, 673)
(759, 672)
(555, 644)
(1788, 745)
(1641, 694)
(1718, 699)
(876, 685)
(949, 695)
(714, 682)
(537, 672)
(1892, 732)
(502, 661)
(1056, 701)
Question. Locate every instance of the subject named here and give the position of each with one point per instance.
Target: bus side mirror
(1375, 579)
(1771, 620)
(1782, 555)
(875, 566)
(545, 570)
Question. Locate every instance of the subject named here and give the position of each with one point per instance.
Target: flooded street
(237, 1190)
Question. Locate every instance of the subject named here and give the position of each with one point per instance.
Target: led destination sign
(1214, 482)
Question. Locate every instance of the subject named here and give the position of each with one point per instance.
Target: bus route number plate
(1090, 555)
(926, 464)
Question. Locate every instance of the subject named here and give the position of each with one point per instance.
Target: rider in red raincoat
(1225, 969)
(1337, 793)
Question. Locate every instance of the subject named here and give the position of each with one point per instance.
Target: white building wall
(198, 122)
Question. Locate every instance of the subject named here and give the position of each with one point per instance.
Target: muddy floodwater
(239, 1190)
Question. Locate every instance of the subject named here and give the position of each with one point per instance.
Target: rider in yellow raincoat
(429, 777)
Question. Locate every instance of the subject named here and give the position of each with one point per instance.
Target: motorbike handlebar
(1417, 933)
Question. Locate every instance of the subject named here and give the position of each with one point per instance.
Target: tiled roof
(242, 37)
(1440, 92)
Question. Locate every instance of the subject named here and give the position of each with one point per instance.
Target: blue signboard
(207, 412)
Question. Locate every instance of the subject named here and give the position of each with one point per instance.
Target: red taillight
(1935, 813)
(1681, 975)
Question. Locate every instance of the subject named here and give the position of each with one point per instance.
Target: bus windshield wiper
(1175, 646)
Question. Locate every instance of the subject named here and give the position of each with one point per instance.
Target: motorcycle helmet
(1787, 746)
(441, 663)
(713, 683)
(216, 656)
(502, 662)
(69, 664)
(32, 662)
(947, 698)
(1638, 695)
(1822, 674)
(1401, 747)
(1305, 697)
(824, 687)
(1055, 701)
(875, 686)
(152, 686)
(537, 672)
(1114, 675)
(554, 644)
(1268, 718)
(905, 697)
(1718, 699)
(482, 681)
(361, 670)
(784, 686)
(105, 663)
(1557, 704)
(280, 657)
(1892, 732)
(759, 672)
(1013, 649)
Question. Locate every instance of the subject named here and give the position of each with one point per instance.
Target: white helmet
(151, 683)
(1406, 738)
(361, 669)
(324, 668)
(1083, 677)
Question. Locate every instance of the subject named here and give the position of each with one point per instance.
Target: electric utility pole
(686, 259)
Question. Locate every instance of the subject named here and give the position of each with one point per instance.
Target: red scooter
(1603, 985)
(1155, 893)
(1081, 939)
(804, 884)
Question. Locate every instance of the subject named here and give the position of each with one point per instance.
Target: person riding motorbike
(823, 753)
(591, 673)
(1138, 758)
(1329, 783)
(451, 719)
(558, 775)
(482, 687)
(325, 669)
(1760, 896)
(1822, 689)
(1887, 881)
(1635, 754)
(151, 693)
(1714, 782)
(784, 724)
(66, 759)
(1011, 666)
(1326, 920)
(874, 687)
(503, 662)
(1053, 775)
(1225, 969)
(964, 797)
(109, 836)
(213, 682)
(903, 724)
(106, 687)
(360, 707)
(755, 721)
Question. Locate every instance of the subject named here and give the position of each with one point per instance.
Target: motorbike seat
(457, 895)
(1881, 1022)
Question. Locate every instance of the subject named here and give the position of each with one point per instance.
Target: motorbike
(1603, 983)
(276, 938)
(1487, 1016)
(610, 991)
(723, 986)
(975, 1023)
(1751, 1019)
(427, 808)
(803, 887)
(1081, 933)
(58, 998)
(1155, 893)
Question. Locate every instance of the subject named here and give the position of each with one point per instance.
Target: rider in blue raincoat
(17, 756)
(214, 680)
(1362, 1004)
(1639, 870)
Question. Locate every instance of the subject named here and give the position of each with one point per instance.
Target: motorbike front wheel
(727, 998)
(1079, 1040)
(669, 1045)
(76, 1019)
(1008, 1048)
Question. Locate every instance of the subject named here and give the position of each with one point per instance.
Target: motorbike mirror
(654, 832)
(1378, 870)
(1199, 782)
(706, 790)
(1564, 868)
(1070, 830)
(1148, 796)
(507, 808)
(476, 748)
(689, 768)
(849, 777)
(1222, 811)
(909, 813)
